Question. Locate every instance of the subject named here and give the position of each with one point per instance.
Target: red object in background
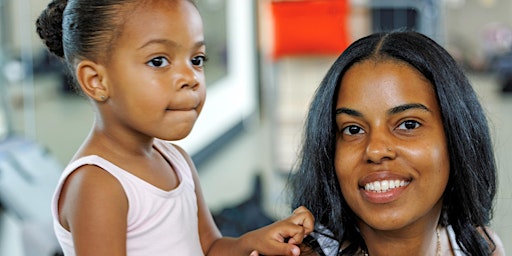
(310, 27)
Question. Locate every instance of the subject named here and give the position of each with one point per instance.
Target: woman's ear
(92, 79)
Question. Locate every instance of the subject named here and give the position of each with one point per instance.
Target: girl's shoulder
(85, 185)
(168, 148)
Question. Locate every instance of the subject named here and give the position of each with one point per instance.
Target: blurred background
(266, 59)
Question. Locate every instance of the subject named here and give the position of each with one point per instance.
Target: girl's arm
(269, 240)
(93, 207)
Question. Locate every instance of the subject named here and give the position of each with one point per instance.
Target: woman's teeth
(385, 185)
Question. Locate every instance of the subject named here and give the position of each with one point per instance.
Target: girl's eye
(158, 62)
(352, 129)
(199, 61)
(409, 125)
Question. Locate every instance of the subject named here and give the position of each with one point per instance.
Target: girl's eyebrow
(169, 43)
(392, 111)
(159, 41)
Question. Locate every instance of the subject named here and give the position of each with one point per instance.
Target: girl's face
(156, 74)
(391, 157)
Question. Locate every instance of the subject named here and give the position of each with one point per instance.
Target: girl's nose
(187, 77)
(191, 82)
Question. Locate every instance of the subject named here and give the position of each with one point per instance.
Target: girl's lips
(182, 108)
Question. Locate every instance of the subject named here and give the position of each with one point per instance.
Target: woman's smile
(383, 187)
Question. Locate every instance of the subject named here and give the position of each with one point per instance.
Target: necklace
(438, 245)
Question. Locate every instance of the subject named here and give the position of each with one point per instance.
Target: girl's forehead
(162, 19)
(144, 6)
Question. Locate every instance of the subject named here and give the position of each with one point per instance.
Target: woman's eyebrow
(405, 107)
(392, 111)
(348, 111)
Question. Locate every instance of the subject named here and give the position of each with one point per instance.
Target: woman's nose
(380, 147)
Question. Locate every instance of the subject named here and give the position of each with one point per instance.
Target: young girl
(407, 164)
(127, 191)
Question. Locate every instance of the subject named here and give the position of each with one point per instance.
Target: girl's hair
(75, 30)
(468, 197)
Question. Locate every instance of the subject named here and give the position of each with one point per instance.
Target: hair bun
(49, 26)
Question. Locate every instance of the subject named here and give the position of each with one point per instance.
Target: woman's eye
(352, 129)
(158, 62)
(199, 61)
(409, 125)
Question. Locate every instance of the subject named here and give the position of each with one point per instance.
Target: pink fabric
(159, 222)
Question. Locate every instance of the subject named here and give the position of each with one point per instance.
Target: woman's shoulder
(492, 238)
(499, 248)
(321, 242)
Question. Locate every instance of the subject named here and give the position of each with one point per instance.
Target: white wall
(233, 98)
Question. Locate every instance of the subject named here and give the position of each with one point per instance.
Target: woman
(397, 156)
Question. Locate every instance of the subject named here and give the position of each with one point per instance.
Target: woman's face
(391, 157)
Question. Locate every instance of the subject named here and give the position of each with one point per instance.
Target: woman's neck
(421, 237)
(378, 243)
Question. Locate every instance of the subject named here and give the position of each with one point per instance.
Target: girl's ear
(92, 79)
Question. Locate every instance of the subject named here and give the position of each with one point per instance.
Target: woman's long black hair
(468, 198)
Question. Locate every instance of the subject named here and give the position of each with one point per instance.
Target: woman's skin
(390, 135)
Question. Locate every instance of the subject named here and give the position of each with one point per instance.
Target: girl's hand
(282, 237)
